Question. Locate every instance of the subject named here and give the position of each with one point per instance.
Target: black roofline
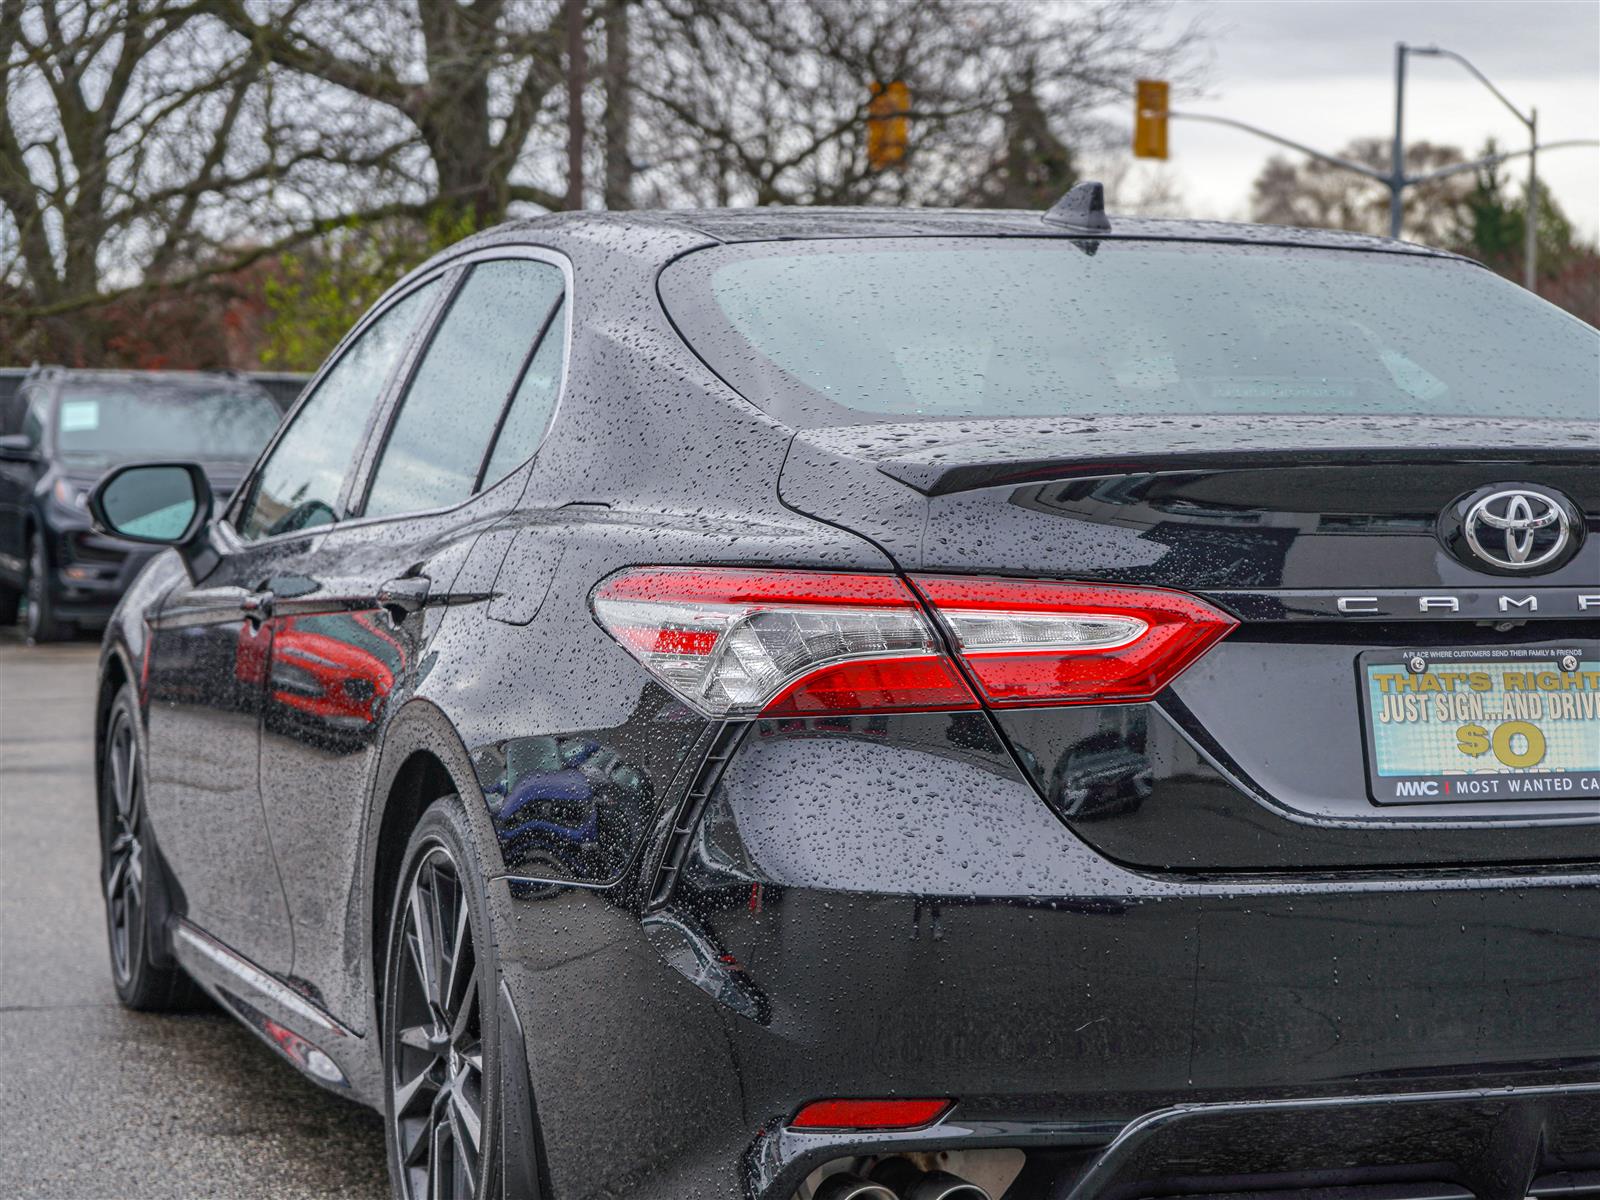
(742, 225)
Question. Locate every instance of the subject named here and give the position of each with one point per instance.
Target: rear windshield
(113, 422)
(828, 332)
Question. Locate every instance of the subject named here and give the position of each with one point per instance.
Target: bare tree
(141, 146)
(168, 145)
(765, 101)
(474, 79)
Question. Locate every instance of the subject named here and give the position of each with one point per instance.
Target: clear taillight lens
(740, 642)
(1028, 641)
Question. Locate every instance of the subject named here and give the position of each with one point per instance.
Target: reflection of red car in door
(336, 667)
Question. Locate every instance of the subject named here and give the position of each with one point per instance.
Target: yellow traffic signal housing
(888, 124)
(1150, 119)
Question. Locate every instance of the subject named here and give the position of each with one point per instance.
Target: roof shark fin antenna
(1084, 207)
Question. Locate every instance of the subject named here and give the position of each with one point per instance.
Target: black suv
(59, 432)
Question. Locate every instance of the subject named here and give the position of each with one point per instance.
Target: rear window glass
(112, 423)
(827, 332)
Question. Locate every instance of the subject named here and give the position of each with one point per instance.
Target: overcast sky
(1322, 72)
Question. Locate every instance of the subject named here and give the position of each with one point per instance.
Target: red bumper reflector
(870, 1114)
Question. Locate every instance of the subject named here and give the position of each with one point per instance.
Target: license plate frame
(1462, 773)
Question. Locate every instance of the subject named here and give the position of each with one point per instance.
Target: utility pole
(619, 107)
(577, 70)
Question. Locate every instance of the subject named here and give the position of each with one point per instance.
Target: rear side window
(300, 483)
(826, 332)
(483, 350)
(531, 407)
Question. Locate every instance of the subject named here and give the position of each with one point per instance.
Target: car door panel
(355, 614)
(206, 676)
(343, 664)
(210, 663)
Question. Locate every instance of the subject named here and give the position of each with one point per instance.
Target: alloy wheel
(436, 1067)
(124, 853)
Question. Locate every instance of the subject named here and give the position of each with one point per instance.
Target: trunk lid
(1323, 536)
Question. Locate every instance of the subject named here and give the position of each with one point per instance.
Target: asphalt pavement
(101, 1102)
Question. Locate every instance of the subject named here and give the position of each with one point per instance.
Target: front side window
(299, 485)
(450, 412)
(827, 332)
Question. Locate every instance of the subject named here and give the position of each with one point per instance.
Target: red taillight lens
(796, 643)
(736, 642)
(869, 1114)
(1037, 642)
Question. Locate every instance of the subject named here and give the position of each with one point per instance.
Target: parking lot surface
(102, 1102)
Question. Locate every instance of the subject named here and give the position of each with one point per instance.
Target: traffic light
(1150, 119)
(888, 123)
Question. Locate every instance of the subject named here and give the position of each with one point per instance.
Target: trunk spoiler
(940, 457)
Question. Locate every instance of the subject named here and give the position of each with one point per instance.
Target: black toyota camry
(807, 705)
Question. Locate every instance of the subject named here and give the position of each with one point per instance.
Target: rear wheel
(130, 876)
(10, 604)
(440, 1027)
(42, 623)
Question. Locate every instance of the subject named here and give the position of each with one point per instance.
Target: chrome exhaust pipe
(852, 1187)
(911, 1183)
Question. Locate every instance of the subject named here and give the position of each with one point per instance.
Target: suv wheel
(440, 1020)
(42, 624)
(131, 877)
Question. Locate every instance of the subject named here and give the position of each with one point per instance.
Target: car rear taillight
(734, 642)
(739, 642)
(1028, 641)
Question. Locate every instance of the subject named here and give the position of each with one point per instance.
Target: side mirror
(17, 447)
(162, 504)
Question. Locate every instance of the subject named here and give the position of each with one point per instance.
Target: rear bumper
(1191, 1043)
(1452, 1145)
(893, 911)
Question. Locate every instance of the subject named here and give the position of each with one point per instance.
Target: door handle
(402, 597)
(257, 607)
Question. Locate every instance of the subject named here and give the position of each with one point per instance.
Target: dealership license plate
(1482, 724)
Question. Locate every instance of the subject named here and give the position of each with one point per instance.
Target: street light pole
(1530, 232)
(1397, 152)
(1530, 239)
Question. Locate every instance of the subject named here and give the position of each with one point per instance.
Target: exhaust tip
(853, 1187)
(911, 1183)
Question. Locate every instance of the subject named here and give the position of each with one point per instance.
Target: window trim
(228, 521)
(393, 400)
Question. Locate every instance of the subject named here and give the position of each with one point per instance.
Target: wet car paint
(703, 926)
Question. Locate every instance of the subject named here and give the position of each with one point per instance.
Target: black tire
(10, 604)
(131, 876)
(42, 623)
(440, 1018)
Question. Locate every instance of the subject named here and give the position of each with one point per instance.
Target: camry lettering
(1535, 602)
